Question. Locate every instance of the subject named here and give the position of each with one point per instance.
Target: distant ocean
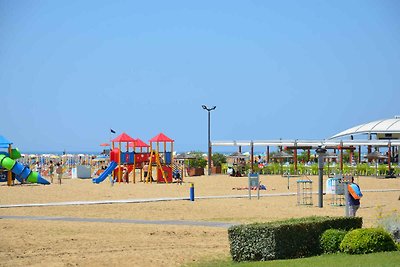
(62, 152)
(99, 152)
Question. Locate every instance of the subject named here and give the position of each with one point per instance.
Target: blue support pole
(192, 192)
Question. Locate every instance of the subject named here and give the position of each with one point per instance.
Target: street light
(321, 153)
(209, 136)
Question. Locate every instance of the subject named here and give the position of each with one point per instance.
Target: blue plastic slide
(106, 172)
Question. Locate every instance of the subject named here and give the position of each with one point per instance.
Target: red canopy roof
(104, 144)
(123, 138)
(161, 138)
(138, 143)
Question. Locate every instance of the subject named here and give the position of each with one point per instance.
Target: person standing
(125, 174)
(59, 171)
(354, 197)
(51, 171)
(38, 168)
(145, 171)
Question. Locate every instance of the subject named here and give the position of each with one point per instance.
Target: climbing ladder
(304, 192)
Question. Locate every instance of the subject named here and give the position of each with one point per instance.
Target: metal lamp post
(321, 153)
(209, 136)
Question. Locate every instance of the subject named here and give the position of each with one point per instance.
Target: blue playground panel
(127, 157)
(167, 157)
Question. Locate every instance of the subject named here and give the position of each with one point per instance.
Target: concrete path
(136, 200)
(130, 221)
(145, 200)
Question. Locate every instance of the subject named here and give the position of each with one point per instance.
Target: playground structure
(162, 160)
(14, 169)
(132, 160)
(304, 192)
(335, 187)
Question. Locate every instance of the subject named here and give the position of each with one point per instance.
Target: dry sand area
(29, 242)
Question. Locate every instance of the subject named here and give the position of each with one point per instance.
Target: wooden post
(341, 157)
(119, 163)
(9, 173)
(351, 156)
(389, 156)
(134, 163)
(295, 158)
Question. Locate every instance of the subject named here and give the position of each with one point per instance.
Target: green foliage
(382, 169)
(367, 240)
(303, 156)
(292, 238)
(362, 169)
(331, 239)
(218, 159)
(199, 161)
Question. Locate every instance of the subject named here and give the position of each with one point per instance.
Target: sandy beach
(156, 233)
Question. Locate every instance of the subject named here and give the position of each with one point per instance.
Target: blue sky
(71, 70)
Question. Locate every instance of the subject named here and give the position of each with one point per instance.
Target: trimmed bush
(368, 240)
(294, 238)
(331, 239)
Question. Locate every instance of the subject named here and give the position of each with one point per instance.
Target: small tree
(218, 159)
(199, 161)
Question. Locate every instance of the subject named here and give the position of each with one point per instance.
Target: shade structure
(282, 155)
(161, 138)
(104, 144)
(385, 126)
(375, 155)
(123, 138)
(4, 143)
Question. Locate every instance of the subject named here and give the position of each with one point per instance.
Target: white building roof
(387, 126)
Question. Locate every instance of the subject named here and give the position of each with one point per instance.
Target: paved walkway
(159, 222)
(130, 221)
(136, 200)
(145, 200)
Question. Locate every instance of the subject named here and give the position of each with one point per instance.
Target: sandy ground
(64, 243)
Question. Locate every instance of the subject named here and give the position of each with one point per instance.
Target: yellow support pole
(172, 152)
(134, 163)
(127, 151)
(150, 169)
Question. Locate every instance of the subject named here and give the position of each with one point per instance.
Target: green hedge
(287, 239)
(368, 240)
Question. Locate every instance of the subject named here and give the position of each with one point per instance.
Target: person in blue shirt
(354, 197)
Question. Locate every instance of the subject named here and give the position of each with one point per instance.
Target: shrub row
(287, 239)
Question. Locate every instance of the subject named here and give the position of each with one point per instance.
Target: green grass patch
(387, 259)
